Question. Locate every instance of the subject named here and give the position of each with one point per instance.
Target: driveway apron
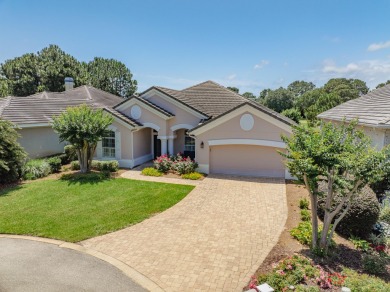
(213, 240)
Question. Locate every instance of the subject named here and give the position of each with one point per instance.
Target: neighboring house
(372, 111)
(225, 132)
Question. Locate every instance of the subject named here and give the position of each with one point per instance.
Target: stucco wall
(262, 130)
(40, 142)
(142, 142)
(181, 116)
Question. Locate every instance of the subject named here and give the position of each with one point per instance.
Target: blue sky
(250, 44)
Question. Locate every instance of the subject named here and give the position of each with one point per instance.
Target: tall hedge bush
(362, 215)
(12, 155)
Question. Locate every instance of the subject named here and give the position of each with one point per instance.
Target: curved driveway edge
(134, 275)
(212, 240)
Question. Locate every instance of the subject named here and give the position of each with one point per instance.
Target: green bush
(374, 264)
(293, 114)
(70, 153)
(64, 158)
(302, 232)
(385, 213)
(363, 282)
(55, 163)
(305, 215)
(75, 165)
(360, 218)
(360, 244)
(192, 175)
(36, 168)
(304, 204)
(109, 165)
(12, 155)
(150, 171)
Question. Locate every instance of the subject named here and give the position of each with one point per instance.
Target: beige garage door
(246, 160)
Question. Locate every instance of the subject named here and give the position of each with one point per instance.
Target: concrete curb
(136, 276)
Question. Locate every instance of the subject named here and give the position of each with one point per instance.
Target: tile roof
(123, 117)
(156, 107)
(41, 107)
(215, 100)
(370, 109)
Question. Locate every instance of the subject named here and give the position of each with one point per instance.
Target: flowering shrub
(177, 163)
(163, 163)
(293, 270)
(184, 165)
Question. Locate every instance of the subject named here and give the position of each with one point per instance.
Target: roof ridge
(88, 93)
(199, 84)
(219, 85)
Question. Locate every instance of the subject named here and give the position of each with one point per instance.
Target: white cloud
(232, 77)
(378, 46)
(371, 71)
(261, 64)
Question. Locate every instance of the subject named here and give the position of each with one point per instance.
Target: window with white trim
(108, 144)
(189, 144)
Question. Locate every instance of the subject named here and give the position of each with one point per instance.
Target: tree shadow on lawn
(91, 178)
(6, 190)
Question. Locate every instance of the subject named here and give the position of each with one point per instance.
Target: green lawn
(82, 207)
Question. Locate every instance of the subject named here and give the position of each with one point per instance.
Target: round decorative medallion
(246, 122)
(136, 112)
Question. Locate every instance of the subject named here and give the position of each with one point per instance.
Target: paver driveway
(213, 240)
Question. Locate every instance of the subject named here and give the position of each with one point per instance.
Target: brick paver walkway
(213, 240)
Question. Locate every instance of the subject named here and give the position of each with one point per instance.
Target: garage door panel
(248, 160)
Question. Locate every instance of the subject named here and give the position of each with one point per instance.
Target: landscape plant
(151, 171)
(12, 155)
(36, 168)
(339, 155)
(83, 127)
(192, 175)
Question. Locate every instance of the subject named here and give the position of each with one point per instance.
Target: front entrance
(156, 145)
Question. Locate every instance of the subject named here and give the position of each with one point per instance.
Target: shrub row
(110, 165)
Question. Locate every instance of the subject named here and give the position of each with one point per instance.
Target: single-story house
(225, 132)
(372, 111)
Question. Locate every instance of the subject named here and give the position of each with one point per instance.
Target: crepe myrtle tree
(340, 156)
(83, 127)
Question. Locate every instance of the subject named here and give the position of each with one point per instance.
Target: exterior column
(163, 146)
(170, 146)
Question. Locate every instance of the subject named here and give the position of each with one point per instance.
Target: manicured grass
(81, 207)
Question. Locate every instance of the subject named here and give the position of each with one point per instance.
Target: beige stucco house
(372, 111)
(225, 132)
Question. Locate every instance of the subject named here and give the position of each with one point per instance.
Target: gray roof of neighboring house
(370, 109)
(41, 107)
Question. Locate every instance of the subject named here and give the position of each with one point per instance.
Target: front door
(156, 146)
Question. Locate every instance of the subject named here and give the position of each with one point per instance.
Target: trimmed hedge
(360, 218)
(109, 165)
(70, 153)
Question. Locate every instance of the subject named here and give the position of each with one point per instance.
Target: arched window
(108, 143)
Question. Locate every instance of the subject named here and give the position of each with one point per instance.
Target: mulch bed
(345, 255)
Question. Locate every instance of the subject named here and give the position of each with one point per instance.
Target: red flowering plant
(337, 279)
(183, 165)
(163, 163)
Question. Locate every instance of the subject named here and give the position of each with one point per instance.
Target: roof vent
(69, 83)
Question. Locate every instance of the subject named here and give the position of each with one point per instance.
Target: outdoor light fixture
(201, 145)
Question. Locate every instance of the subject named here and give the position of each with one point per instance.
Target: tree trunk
(84, 159)
(314, 221)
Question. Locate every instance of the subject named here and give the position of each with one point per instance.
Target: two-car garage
(246, 160)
